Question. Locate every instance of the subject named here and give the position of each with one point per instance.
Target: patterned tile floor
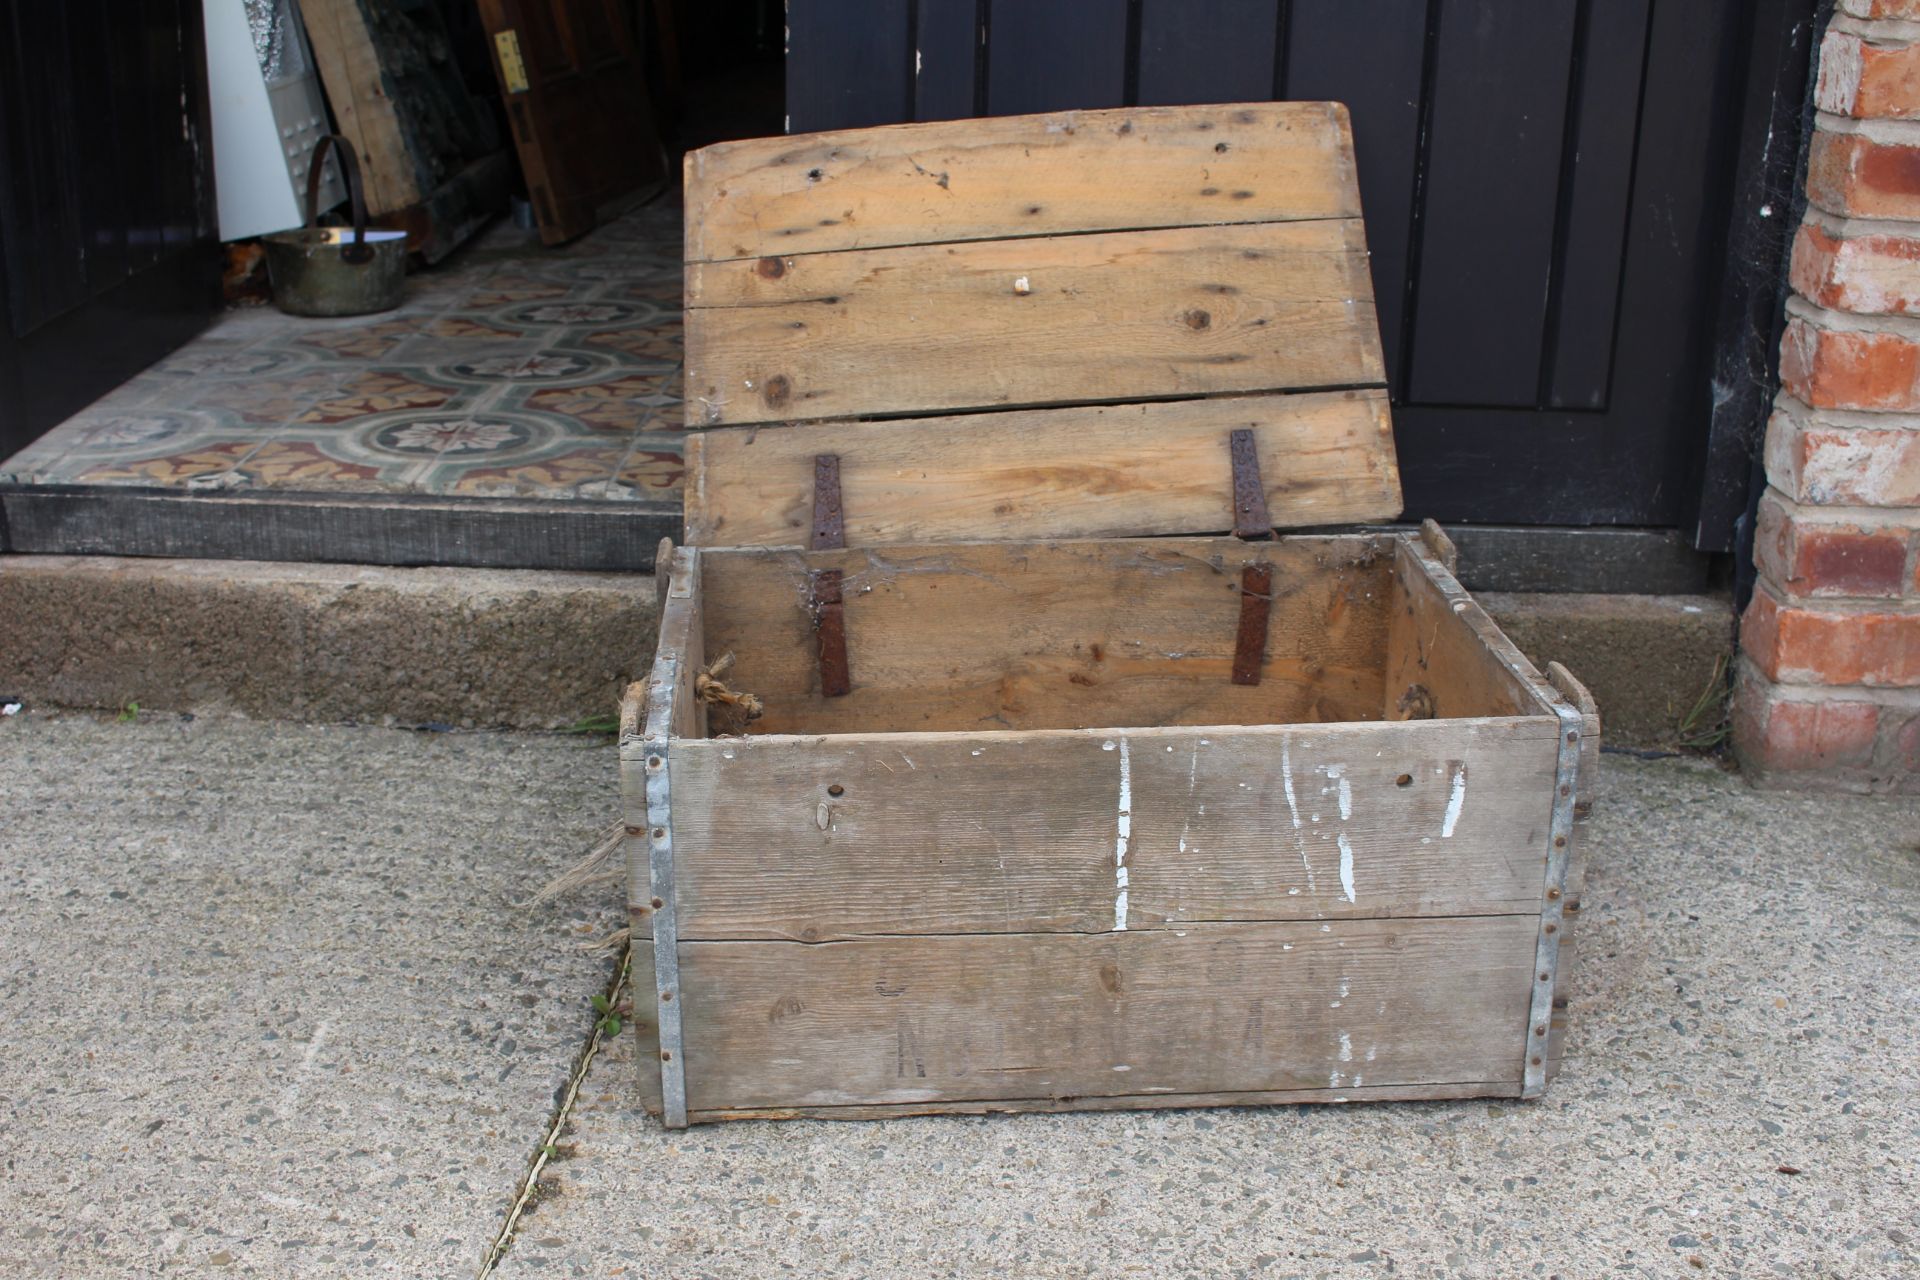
(513, 371)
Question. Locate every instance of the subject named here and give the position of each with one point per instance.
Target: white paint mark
(1346, 1047)
(977, 752)
(1333, 1004)
(290, 1096)
(1333, 1082)
(1293, 809)
(1193, 769)
(1337, 773)
(1371, 1050)
(1107, 745)
(909, 760)
(1123, 1067)
(727, 754)
(1022, 287)
(1454, 801)
(1286, 946)
(1346, 867)
(1346, 986)
(1123, 824)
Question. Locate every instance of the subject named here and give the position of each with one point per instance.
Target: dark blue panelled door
(1549, 187)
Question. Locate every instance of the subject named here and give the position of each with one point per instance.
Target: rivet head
(1553, 895)
(1559, 842)
(1553, 928)
(1540, 1030)
(666, 995)
(659, 903)
(655, 762)
(1536, 1062)
(666, 1055)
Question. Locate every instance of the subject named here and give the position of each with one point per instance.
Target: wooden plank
(645, 1023)
(1014, 175)
(1048, 55)
(1445, 656)
(1186, 312)
(1056, 635)
(1492, 190)
(1120, 1102)
(1226, 1008)
(1023, 832)
(1107, 471)
(1207, 51)
(349, 63)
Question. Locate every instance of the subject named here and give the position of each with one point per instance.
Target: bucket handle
(359, 251)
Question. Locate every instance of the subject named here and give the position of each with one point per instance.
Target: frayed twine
(600, 866)
(741, 709)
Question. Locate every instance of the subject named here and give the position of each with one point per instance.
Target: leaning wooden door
(572, 77)
(1547, 188)
(107, 252)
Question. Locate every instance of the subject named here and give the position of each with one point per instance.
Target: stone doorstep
(470, 648)
(543, 649)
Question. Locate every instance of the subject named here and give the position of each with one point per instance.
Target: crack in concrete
(530, 1181)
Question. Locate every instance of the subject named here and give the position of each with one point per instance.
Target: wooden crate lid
(1033, 326)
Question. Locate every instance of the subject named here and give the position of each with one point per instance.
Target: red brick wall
(1828, 687)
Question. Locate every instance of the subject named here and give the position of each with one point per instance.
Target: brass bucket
(334, 271)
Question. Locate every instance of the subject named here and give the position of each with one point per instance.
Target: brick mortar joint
(1834, 608)
(1871, 323)
(1882, 130)
(1805, 415)
(1820, 694)
(1902, 519)
(1882, 32)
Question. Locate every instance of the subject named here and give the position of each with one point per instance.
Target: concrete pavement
(266, 1009)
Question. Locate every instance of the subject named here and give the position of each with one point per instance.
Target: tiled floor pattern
(511, 371)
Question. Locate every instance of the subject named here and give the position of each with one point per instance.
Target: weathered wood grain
(1089, 832)
(645, 1021)
(348, 58)
(1442, 642)
(1055, 635)
(1112, 471)
(1226, 1008)
(1020, 175)
(1001, 324)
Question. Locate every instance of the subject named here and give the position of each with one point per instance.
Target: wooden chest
(1063, 796)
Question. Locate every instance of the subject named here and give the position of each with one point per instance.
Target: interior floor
(511, 371)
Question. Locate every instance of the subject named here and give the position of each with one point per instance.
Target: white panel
(250, 170)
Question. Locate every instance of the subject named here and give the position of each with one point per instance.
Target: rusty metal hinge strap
(829, 517)
(1250, 518)
(824, 601)
(830, 632)
(1256, 603)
